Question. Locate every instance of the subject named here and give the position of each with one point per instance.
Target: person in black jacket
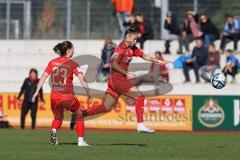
(209, 30)
(198, 59)
(144, 29)
(130, 22)
(28, 88)
(170, 24)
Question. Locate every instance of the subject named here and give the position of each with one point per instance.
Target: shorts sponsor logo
(211, 115)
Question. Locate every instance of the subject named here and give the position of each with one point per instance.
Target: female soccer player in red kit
(120, 81)
(61, 70)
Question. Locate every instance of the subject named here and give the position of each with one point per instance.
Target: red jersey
(62, 70)
(123, 55)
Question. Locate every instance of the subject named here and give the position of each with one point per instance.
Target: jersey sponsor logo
(127, 59)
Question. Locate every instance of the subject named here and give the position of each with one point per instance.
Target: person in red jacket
(123, 9)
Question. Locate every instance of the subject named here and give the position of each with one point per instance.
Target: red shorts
(118, 85)
(60, 101)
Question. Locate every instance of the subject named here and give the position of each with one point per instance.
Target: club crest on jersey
(115, 55)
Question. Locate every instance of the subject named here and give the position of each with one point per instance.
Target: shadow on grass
(110, 144)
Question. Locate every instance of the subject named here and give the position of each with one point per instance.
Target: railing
(93, 19)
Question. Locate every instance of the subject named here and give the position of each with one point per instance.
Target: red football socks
(56, 124)
(79, 126)
(139, 107)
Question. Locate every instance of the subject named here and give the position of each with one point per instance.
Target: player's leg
(106, 106)
(80, 128)
(72, 122)
(78, 119)
(57, 110)
(139, 107)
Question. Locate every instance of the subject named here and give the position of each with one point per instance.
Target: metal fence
(92, 19)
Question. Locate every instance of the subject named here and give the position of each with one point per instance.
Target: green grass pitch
(34, 145)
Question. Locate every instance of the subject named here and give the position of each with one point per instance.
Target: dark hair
(212, 44)
(158, 52)
(228, 15)
(61, 48)
(229, 51)
(139, 14)
(197, 38)
(131, 30)
(33, 70)
(203, 14)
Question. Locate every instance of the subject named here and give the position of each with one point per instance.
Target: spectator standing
(213, 62)
(190, 30)
(231, 32)
(144, 28)
(170, 24)
(232, 65)
(198, 59)
(123, 8)
(130, 22)
(209, 30)
(104, 68)
(28, 88)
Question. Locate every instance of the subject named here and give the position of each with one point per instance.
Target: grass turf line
(34, 145)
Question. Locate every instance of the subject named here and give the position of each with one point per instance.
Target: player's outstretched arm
(40, 84)
(85, 86)
(154, 60)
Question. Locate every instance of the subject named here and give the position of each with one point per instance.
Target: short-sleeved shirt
(62, 70)
(123, 55)
(233, 59)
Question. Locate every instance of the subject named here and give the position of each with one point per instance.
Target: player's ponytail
(61, 48)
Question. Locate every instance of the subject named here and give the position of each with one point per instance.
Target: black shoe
(186, 81)
(72, 124)
(53, 138)
(197, 81)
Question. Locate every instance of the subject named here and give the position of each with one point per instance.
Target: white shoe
(143, 129)
(83, 144)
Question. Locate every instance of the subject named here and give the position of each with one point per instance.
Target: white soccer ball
(218, 81)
